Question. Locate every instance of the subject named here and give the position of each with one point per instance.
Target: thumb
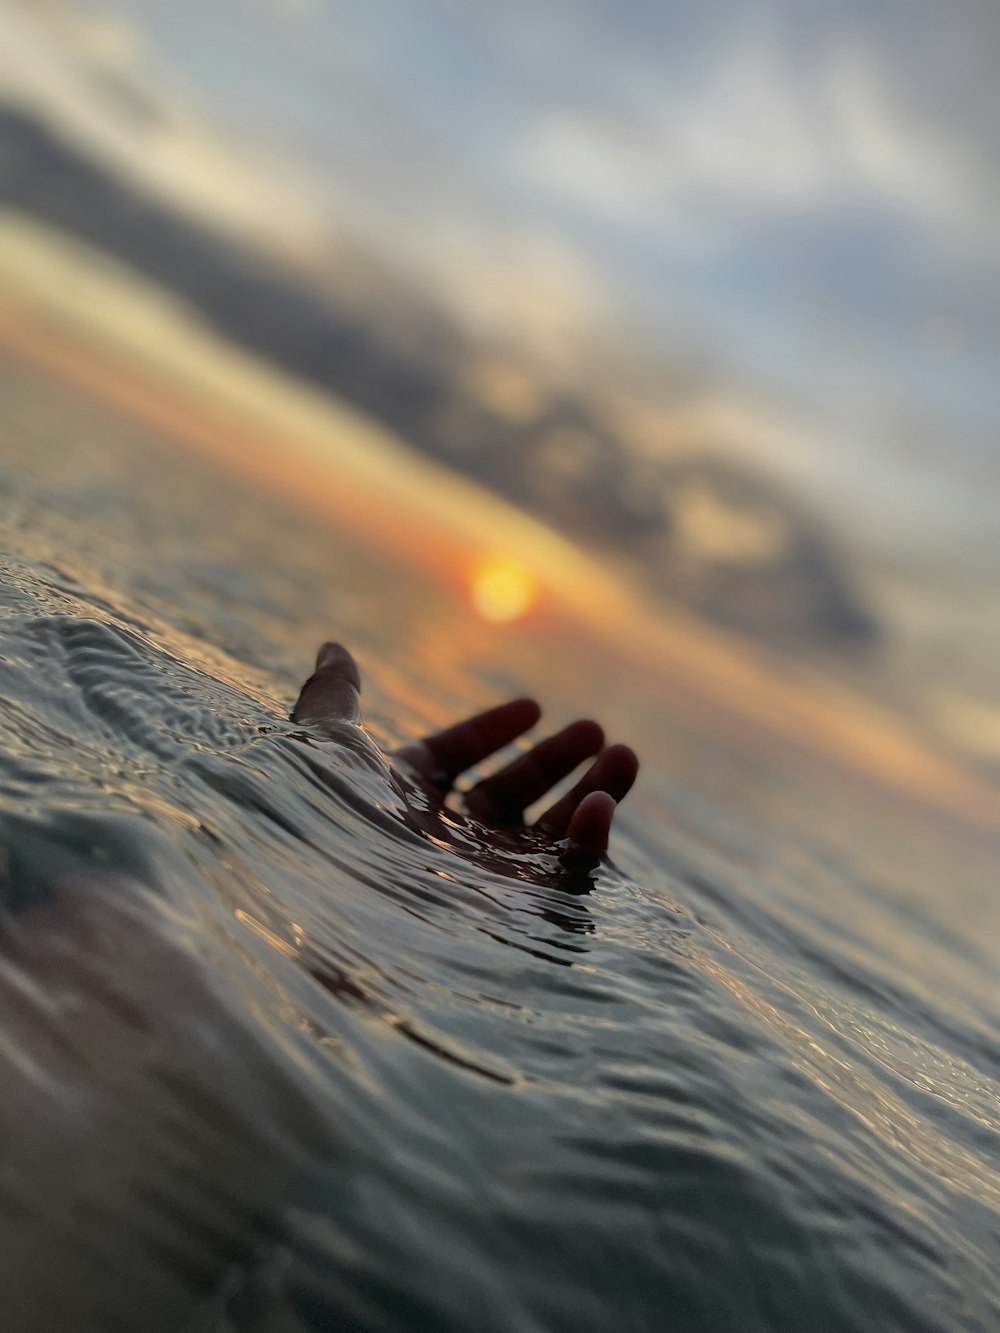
(332, 692)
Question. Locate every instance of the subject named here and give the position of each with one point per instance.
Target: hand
(577, 825)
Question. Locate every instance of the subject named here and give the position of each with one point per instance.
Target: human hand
(577, 825)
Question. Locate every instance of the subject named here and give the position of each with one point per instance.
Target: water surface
(272, 1061)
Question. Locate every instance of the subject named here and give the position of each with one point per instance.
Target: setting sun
(502, 590)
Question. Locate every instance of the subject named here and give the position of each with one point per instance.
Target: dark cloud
(806, 189)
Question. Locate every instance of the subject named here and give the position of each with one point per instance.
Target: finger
(331, 694)
(589, 830)
(441, 758)
(503, 797)
(613, 773)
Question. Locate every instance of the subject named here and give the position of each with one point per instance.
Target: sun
(502, 589)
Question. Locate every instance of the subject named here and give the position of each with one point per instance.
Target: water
(271, 1061)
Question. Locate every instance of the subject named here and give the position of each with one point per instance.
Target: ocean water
(273, 1061)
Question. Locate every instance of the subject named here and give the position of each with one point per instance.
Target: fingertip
(590, 826)
(335, 659)
(590, 733)
(598, 806)
(513, 719)
(620, 765)
(527, 708)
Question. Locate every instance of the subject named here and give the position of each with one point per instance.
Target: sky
(798, 195)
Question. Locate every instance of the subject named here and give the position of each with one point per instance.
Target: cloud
(888, 154)
(527, 286)
(95, 81)
(755, 139)
(295, 11)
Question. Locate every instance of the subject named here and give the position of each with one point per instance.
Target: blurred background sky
(760, 232)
